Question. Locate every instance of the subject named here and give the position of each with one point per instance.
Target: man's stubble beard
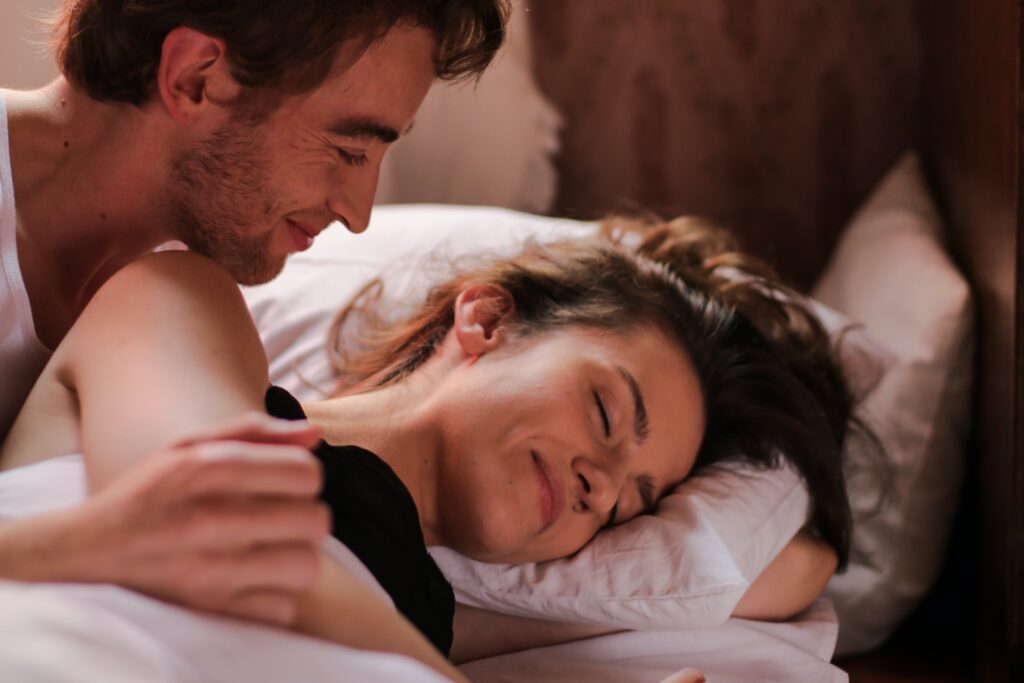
(221, 205)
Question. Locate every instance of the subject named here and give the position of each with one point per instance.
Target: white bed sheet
(84, 634)
(738, 651)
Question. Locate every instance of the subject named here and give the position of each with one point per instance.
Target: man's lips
(302, 235)
(550, 492)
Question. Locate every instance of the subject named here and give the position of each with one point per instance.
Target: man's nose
(352, 202)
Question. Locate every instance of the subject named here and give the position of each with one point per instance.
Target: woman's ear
(193, 74)
(481, 315)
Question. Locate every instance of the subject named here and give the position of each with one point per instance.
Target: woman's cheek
(573, 538)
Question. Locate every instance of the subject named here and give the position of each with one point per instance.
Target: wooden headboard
(774, 117)
(777, 117)
(971, 136)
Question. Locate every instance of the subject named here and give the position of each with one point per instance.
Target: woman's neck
(393, 423)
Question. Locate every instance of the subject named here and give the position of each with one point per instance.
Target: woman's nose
(597, 487)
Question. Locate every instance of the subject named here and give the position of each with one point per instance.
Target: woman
(528, 404)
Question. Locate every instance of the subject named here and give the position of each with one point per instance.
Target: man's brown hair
(111, 48)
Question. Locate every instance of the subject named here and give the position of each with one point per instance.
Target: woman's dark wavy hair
(771, 383)
(111, 48)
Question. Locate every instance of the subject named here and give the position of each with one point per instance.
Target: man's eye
(357, 160)
(604, 415)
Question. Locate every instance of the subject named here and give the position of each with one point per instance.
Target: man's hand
(227, 521)
(685, 676)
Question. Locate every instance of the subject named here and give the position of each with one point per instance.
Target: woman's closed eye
(603, 412)
(607, 428)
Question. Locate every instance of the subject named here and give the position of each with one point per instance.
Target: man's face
(253, 193)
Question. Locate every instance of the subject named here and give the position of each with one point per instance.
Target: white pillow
(891, 273)
(686, 567)
(463, 129)
(410, 246)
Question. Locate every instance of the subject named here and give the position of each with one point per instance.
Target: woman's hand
(685, 676)
(791, 583)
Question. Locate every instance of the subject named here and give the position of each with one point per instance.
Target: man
(241, 128)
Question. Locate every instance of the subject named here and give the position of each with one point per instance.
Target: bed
(778, 118)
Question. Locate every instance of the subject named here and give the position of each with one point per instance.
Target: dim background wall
(25, 60)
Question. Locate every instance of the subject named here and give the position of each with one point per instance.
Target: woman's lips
(550, 492)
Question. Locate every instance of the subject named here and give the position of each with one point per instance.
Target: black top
(375, 516)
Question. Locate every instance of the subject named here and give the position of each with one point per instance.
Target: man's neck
(88, 181)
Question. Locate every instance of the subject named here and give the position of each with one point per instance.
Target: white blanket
(84, 634)
(69, 633)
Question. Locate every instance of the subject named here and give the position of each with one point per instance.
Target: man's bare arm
(198, 496)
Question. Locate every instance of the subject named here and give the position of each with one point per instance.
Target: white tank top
(22, 355)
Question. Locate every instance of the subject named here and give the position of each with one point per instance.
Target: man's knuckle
(305, 563)
(321, 520)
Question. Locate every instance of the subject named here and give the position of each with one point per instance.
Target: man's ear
(482, 313)
(193, 74)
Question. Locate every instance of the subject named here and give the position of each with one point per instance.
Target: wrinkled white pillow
(686, 567)
(891, 272)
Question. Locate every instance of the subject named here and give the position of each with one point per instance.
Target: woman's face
(547, 437)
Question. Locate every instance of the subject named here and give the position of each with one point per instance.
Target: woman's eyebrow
(641, 429)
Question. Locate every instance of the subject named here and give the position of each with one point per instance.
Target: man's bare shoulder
(173, 301)
(167, 272)
(165, 298)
